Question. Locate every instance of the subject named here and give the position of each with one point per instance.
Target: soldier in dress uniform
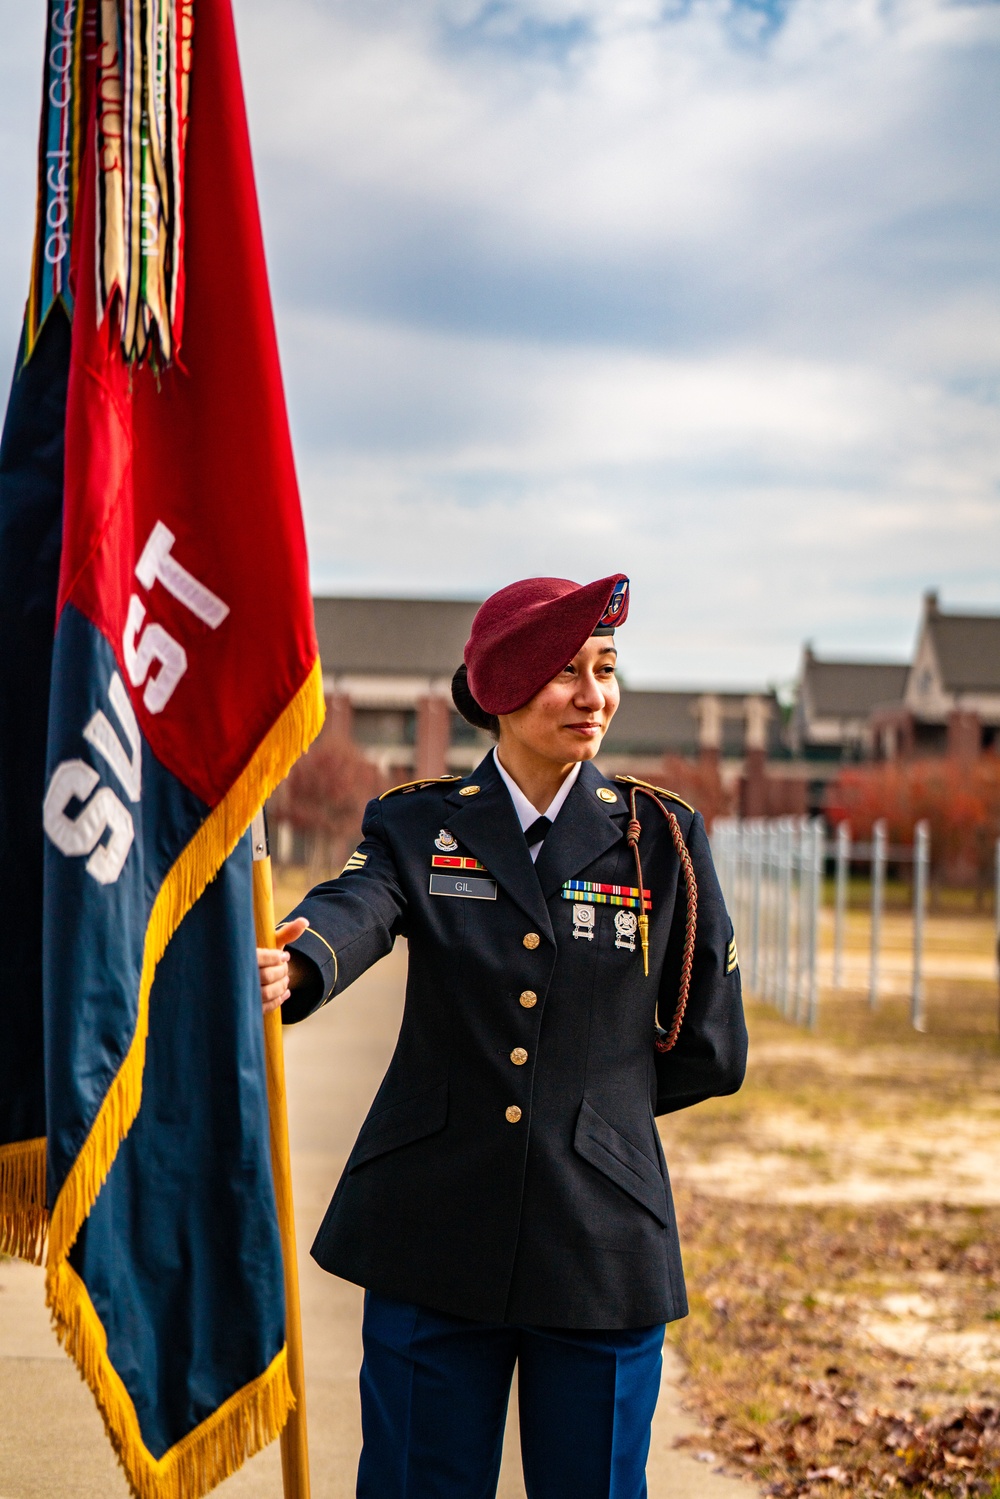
(572, 973)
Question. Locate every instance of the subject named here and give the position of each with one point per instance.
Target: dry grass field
(841, 1226)
(841, 1223)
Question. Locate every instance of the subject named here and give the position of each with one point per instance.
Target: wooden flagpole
(294, 1441)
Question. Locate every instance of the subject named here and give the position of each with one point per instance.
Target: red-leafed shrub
(959, 801)
(699, 783)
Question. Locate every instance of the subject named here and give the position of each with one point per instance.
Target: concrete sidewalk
(52, 1443)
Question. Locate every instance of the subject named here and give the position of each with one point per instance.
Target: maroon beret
(525, 634)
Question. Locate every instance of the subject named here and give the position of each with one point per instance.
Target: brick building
(834, 703)
(739, 734)
(951, 701)
(946, 701)
(387, 669)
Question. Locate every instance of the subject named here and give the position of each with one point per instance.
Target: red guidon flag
(184, 683)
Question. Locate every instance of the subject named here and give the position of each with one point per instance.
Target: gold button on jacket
(513, 1114)
(532, 939)
(529, 999)
(519, 1056)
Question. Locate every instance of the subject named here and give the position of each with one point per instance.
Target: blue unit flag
(150, 700)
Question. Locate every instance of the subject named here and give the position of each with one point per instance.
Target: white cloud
(705, 289)
(648, 133)
(755, 501)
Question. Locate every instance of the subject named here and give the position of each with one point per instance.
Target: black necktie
(537, 831)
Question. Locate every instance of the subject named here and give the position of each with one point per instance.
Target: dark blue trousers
(434, 1392)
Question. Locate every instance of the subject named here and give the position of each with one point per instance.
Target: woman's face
(568, 719)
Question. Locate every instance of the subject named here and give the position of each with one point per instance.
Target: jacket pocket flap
(620, 1161)
(401, 1123)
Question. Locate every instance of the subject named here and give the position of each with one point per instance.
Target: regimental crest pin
(626, 925)
(616, 605)
(583, 921)
(446, 842)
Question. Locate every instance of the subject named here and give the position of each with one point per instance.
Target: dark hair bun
(466, 704)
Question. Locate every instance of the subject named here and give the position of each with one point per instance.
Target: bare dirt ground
(842, 1223)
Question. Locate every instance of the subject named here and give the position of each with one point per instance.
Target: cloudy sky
(701, 290)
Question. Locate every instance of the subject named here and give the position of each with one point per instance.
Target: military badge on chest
(583, 922)
(626, 926)
(586, 895)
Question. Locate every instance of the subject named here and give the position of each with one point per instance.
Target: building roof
(967, 647)
(398, 637)
(426, 637)
(656, 723)
(851, 689)
(647, 723)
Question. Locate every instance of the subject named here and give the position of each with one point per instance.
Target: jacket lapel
(585, 828)
(486, 824)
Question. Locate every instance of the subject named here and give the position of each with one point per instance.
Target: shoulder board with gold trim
(660, 790)
(419, 785)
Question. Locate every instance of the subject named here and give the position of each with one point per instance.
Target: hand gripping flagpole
(294, 1441)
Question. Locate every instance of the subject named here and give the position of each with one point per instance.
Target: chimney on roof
(708, 711)
(931, 601)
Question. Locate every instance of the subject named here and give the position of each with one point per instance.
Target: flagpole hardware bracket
(258, 836)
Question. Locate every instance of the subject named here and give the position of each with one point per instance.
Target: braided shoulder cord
(668, 1041)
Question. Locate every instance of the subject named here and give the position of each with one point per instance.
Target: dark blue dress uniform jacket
(561, 1217)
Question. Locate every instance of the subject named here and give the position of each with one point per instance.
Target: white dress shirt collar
(526, 813)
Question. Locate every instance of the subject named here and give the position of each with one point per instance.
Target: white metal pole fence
(843, 874)
(921, 865)
(772, 870)
(879, 841)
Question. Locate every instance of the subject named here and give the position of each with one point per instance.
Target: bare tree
(324, 796)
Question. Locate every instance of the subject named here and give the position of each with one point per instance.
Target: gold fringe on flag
(255, 1415)
(23, 1219)
(239, 1428)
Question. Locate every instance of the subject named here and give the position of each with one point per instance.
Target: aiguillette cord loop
(667, 1041)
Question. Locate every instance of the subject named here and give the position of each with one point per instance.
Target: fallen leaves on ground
(793, 1389)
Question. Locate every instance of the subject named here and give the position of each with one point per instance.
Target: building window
(462, 732)
(385, 726)
(733, 732)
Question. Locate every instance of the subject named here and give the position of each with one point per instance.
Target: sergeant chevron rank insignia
(732, 957)
(358, 860)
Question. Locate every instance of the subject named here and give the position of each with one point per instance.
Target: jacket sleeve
(710, 1056)
(353, 920)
